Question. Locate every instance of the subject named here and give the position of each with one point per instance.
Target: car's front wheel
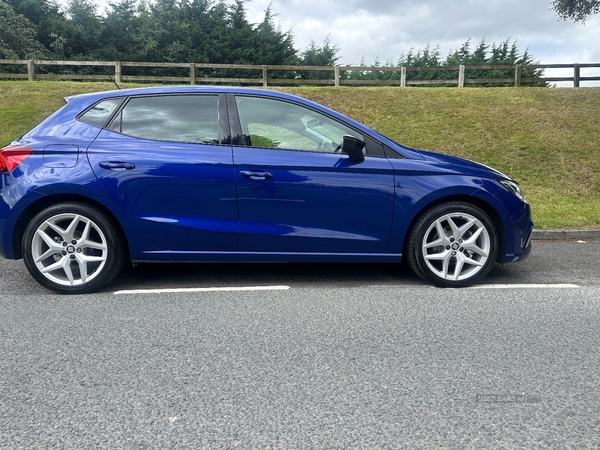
(72, 248)
(453, 245)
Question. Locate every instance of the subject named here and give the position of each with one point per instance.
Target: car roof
(182, 90)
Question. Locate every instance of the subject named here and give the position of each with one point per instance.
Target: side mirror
(353, 147)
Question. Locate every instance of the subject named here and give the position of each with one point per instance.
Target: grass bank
(547, 139)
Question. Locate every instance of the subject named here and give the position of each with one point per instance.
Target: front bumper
(520, 247)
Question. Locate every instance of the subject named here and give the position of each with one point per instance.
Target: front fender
(416, 194)
(514, 214)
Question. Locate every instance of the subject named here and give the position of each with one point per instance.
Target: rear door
(165, 161)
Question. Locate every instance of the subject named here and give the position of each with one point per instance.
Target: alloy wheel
(69, 249)
(456, 246)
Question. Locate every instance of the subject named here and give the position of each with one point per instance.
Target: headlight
(513, 187)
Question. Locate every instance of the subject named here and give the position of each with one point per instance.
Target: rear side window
(175, 118)
(100, 112)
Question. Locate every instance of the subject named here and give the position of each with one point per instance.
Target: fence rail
(26, 69)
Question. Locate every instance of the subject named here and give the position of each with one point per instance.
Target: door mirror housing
(312, 123)
(353, 147)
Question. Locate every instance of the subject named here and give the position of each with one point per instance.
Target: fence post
(402, 76)
(30, 70)
(518, 70)
(264, 76)
(576, 75)
(192, 74)
(118, 72)
(336, 75)
(461, 76)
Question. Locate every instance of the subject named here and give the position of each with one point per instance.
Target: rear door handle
(116, 165)
(256, 175)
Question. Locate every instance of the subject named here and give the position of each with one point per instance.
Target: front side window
(268, 123)
(175, 118)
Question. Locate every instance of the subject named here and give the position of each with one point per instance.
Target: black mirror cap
(353, 147)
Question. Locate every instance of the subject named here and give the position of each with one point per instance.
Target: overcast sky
(384, 29)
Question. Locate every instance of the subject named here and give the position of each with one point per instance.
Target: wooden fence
(260, 74)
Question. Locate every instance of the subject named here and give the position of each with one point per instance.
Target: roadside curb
(565, 234)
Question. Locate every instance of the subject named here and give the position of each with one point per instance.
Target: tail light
(11, 157)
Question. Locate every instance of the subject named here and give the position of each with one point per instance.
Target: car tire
(452, 245)
(73, 248)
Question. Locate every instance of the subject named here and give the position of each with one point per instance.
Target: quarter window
(268, 123)
(177, 118)
(100, 112)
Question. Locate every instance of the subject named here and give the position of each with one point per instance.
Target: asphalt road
(340, 356)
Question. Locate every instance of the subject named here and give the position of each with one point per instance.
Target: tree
(49, 21)
(275, 46)
(121, 26)
(325, 54)
(86, 29)
(503, 54)
(18, 36)
(576, 10)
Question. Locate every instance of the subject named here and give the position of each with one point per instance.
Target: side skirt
(170, 256)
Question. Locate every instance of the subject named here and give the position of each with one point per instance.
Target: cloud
(383, 29)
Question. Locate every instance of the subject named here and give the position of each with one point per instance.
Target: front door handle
(256, 175)
(116, 165)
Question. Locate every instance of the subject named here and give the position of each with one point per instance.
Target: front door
(298, 192)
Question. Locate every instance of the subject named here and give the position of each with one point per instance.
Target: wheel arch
(475, 201)
(48, 200)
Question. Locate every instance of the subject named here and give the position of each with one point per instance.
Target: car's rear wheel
(73, 248)
(453, 245)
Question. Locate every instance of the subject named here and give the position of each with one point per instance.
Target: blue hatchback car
(231, 174)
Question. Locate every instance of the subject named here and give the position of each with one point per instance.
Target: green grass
(547, 139)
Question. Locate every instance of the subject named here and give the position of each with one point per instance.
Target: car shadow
(16, 280)
(326, 275)
(193, 275)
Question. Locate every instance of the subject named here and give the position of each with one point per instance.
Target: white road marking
(285, 288)
(525, 286)
(211, 289)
